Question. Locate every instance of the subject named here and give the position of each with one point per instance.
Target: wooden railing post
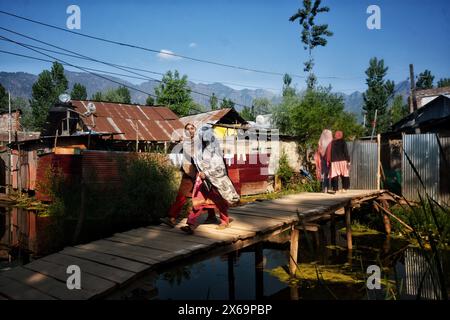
(293, 251)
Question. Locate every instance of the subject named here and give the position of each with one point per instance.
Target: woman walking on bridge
(213, 189)
(189, 173)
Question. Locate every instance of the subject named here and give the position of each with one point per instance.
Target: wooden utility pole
(9, 180)
(412, 98)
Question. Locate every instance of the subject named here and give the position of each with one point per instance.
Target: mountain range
(20, 85)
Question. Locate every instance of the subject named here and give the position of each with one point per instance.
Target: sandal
(187, 229)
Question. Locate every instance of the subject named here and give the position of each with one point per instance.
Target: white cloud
(192, 45)
(167, 55)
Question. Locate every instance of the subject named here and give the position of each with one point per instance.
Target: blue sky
(248, 33)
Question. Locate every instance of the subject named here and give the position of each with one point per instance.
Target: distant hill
(20, 84)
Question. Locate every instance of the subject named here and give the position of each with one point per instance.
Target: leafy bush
(285, 172)
(148, 185)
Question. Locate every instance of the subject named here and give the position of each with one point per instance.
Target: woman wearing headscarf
(320, 157)
(339, 159)
(189, 173)
(213, 189)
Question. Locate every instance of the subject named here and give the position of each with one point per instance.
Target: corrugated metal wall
(423, 153)
(444, 170)
(364, 164)
(420, 274)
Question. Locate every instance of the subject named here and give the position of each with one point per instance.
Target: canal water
(327, 270)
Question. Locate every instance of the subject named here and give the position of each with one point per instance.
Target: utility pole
(374, 124)
(412, 98)
(10, 161)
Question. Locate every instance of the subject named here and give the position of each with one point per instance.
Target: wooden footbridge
(113, 264)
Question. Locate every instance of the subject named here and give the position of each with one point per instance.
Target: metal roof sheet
(149, 123)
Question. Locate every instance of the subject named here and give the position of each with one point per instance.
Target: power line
(75, 66)
(51, 61)
(95, 60)
(149, 71)
(159, 51)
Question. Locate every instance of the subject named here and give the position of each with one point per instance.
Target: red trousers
(179, 203)
(202, 199)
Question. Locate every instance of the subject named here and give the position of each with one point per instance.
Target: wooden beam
(348, 225)
(308, 227)
(293, 251)
(386, 219)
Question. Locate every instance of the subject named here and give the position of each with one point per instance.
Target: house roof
(155, 123)
(435, 110)
(425, 96)
(222, 116)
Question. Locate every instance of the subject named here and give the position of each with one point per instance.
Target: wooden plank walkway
(115, 262)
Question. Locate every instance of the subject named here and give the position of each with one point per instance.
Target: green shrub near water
(285, 172)
(148, 185)
(421, 218)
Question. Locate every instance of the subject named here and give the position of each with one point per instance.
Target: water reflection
(18, 237)
(327, 271)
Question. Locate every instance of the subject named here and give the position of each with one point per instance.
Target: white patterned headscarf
(209, 159)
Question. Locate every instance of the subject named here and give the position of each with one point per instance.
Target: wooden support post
(333, 229)
(348, 224)
(293, 251)
(231, 288)
(294, 293)
(259, 271)
(386, 219)
(316, 240)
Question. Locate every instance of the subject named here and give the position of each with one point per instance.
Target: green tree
(213, 102)
(119, 95)
(261, 106)
(306, 116)
(98, 96)
(444, 82)
(78, 92)
(150, 101)
(175, 93)
(377, 96)
(124, 94)
(4, 99)
(45, 92)
(425, 80)
(312, 35)
(287, 89)
(398, 110)
(247, 114)
(226, 103)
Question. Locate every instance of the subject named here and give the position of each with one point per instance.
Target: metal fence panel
(444, 170)
(364, 164)
(422, 150)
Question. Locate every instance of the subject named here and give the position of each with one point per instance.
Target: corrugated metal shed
(364, 164)
(156, 124)
(422, 150)
(223, 116)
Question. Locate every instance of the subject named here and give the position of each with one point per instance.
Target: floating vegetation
(359, 230)
(314, 272)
